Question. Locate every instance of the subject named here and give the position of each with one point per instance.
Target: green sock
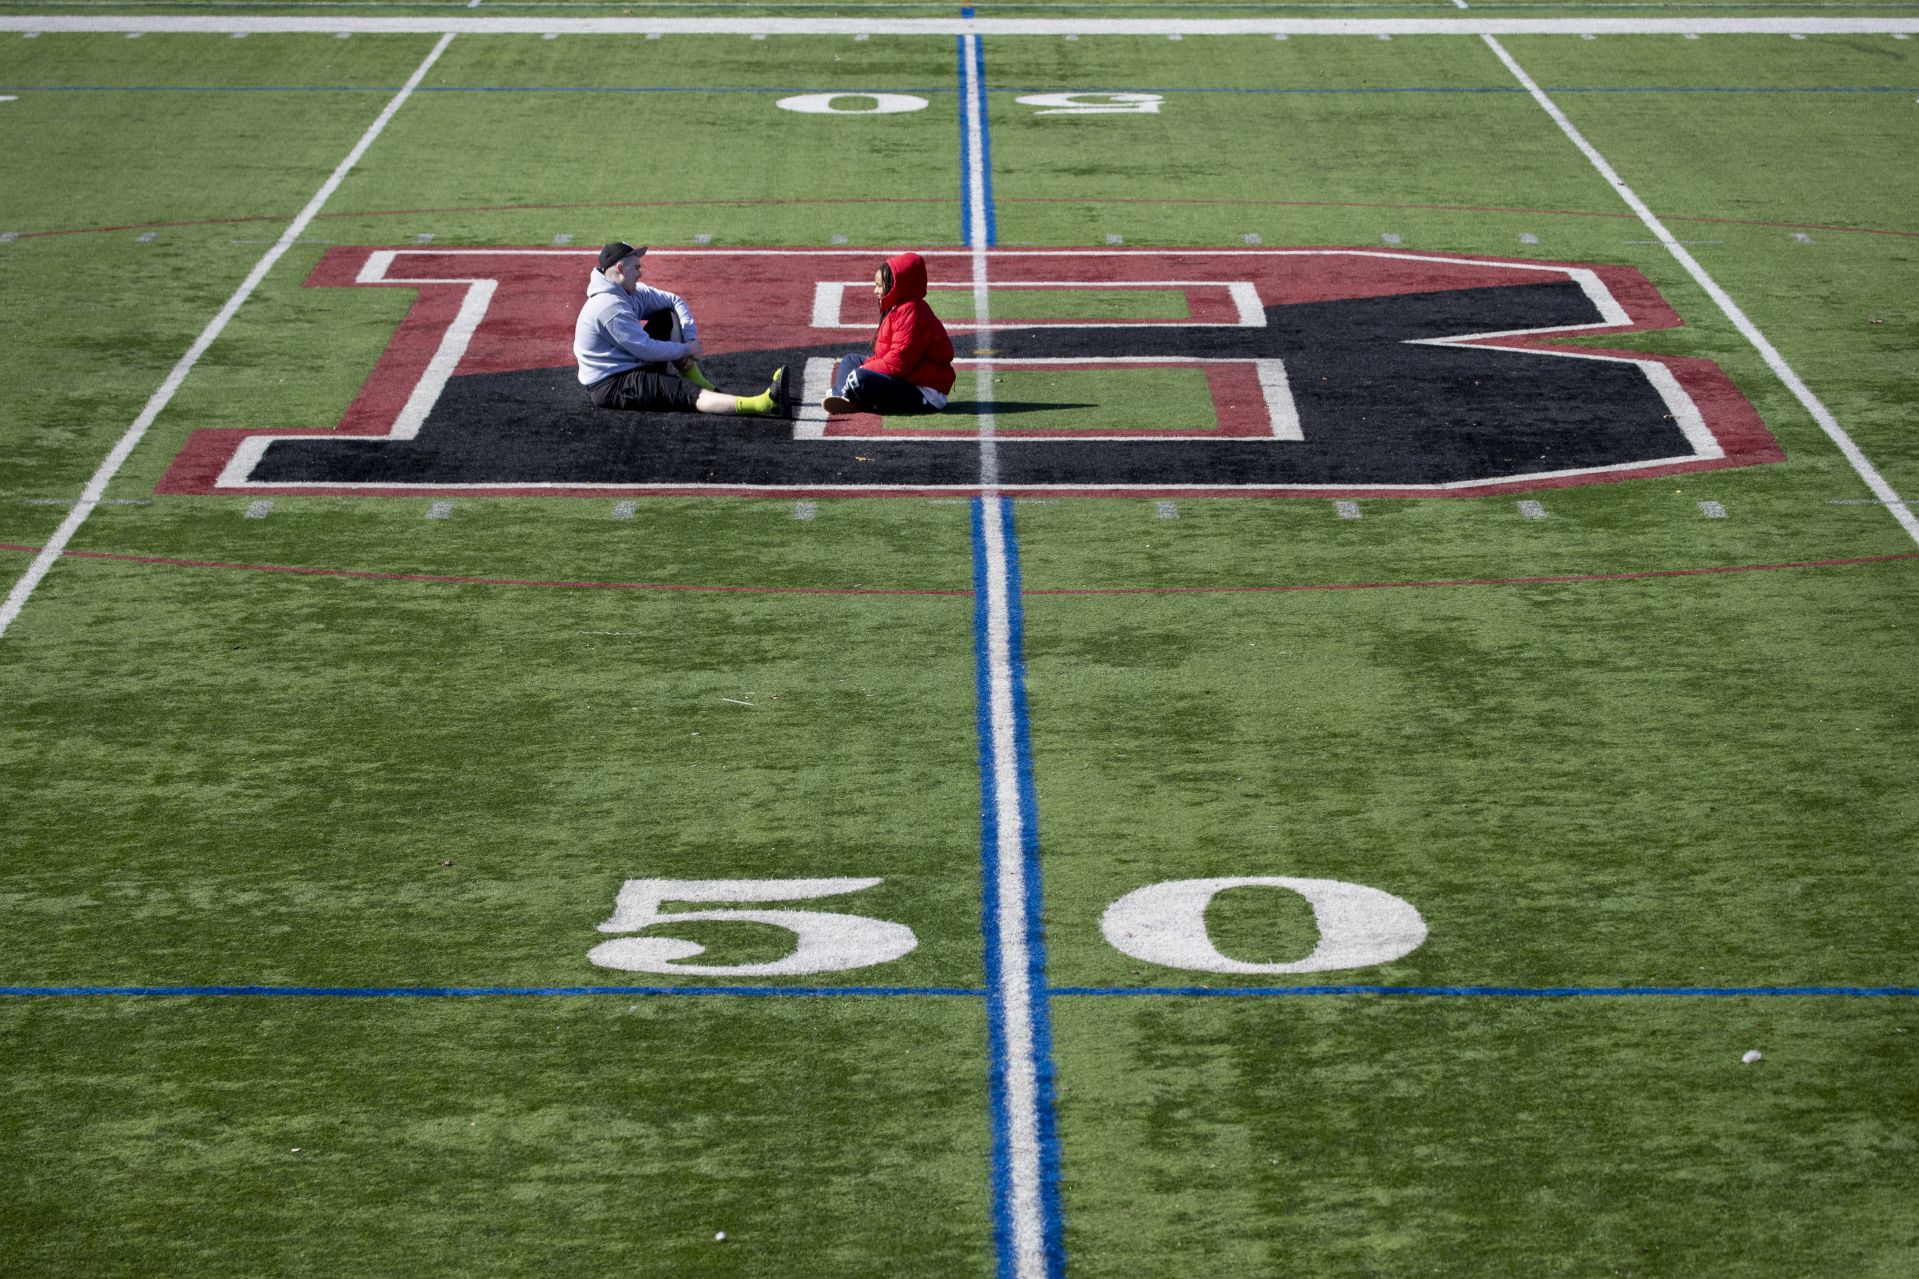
(693, 374)
(767, 401)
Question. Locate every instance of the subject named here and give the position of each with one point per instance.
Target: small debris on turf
(1753, 1055)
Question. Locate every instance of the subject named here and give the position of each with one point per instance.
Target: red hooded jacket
(911, 343)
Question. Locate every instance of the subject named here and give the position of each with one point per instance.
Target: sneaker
(781, 393)
(839, 404)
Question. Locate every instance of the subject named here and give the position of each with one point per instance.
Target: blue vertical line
(965, 114)
(990, 900)
(986, 151)
(1039, 1029)
(973, 60)
(1038, 981)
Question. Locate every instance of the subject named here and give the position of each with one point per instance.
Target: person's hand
(694, 350)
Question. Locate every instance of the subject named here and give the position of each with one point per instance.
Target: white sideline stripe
(655, 27)
(96, 487)
(1022, 1075)
(1776, 362)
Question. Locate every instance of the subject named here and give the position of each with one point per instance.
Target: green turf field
(320, 797)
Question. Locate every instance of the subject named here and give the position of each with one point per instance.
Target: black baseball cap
(615, 251)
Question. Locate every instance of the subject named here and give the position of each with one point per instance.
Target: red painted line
(438, 579)
(157, 226)
(486, 208)
(1474, 581)
(1088, 200)
(1455, 208)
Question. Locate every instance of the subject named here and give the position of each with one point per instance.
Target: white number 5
(1093, 103)
(827, 942)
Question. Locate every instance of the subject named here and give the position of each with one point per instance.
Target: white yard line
(96, 488)
(1776, 362)
(976, 218)
(1459, 24)
(1024, 1205)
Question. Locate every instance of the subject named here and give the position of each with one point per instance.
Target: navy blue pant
(877, 392)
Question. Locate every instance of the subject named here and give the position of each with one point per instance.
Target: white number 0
(1358, 926)
(827, 942)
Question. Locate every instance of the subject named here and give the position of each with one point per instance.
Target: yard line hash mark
(866, 992)
(759, 25)
(437, 579)
(736, 203)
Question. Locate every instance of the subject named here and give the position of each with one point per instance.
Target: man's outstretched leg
(768, 403)
(638, 390)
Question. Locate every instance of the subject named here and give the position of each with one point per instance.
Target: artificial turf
(222, 773)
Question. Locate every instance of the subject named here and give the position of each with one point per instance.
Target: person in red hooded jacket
(911, 368)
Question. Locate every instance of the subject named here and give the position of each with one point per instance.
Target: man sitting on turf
(638, 347)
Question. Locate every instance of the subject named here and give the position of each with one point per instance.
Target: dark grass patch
(246, 1137)
(1376, 1136)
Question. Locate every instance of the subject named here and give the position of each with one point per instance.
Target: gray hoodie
(610, 335)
